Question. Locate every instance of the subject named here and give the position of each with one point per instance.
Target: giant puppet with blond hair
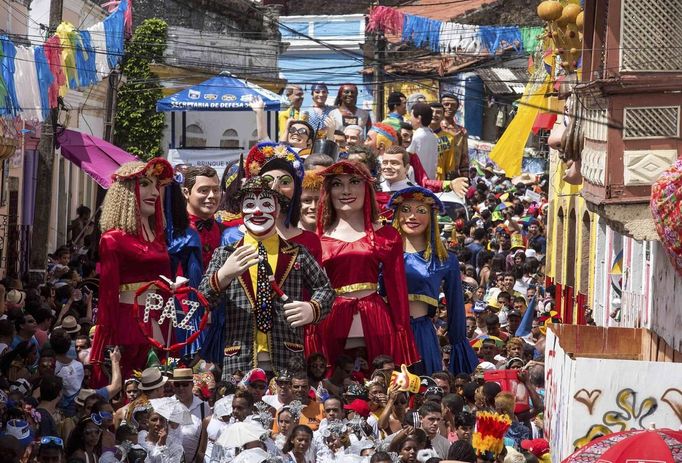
(132, 253)
(428, 266)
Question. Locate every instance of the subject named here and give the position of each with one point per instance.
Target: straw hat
(525, 178)
(152, 379)
(182, 375)
(15, 297)
(70, 325)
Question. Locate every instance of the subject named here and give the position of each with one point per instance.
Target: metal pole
(183, 139)
(172, 143)
(379, 52)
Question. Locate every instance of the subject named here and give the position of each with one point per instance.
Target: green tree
(139, 127)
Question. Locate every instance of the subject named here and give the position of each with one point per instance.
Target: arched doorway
(571, 257)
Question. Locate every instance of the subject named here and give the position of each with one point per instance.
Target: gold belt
(356, 287)
(422, 298)
(132, 286)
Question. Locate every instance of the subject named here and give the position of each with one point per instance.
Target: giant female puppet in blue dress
(428, 265)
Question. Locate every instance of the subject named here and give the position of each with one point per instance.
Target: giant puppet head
(381, 137)
(283, 169)
(260, 206)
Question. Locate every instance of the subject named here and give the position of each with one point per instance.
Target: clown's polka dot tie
(263, 293)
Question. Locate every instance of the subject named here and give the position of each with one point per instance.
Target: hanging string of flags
(451, 37)
(33, 78)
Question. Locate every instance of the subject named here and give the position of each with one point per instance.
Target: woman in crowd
(85, 441)
(132, 252)
(298, 444)
(287, 420)
(159, 446)
(320, 110)
(428, 265)
(355, 250)
(347, 112)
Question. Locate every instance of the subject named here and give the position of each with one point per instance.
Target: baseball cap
(358, 406)
(537, 447)
(256, 375)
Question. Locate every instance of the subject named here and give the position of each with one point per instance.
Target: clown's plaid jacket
(296, 269)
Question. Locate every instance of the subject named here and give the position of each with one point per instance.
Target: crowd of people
(372, 295)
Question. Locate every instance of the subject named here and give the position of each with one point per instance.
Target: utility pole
(379, 53)
(43, 198)
(110, 111)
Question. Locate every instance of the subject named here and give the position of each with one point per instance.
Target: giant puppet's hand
(299, 313)
(257, 105)
(459, 186)
(237, 263)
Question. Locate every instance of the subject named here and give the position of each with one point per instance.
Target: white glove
(237, 263)
(299, 313)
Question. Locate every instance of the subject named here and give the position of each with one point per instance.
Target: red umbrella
(655, 445)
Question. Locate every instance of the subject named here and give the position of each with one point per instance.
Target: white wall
(666, 298)
(580, 404)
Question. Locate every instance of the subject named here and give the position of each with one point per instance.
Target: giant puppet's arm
(211, 293)
(258, 107)
(463, 359)
(391, 247)
(226, 265)
(464, 153)
(458, 185)
(420, 175)
(109, 277)
(317, 282)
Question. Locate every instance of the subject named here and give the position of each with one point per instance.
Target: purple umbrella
(96, 157)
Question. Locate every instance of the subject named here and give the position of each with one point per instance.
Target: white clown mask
(260, 212)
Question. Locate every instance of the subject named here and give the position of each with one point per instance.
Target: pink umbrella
(96, 157)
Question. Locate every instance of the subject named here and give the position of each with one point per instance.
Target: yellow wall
(566, 197)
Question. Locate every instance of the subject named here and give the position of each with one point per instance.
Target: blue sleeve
(463, 359)
(231, 236)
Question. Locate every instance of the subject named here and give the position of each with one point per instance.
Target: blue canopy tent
(223, 92)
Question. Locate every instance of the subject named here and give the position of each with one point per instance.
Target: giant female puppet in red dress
(355, 250)
(132, 252)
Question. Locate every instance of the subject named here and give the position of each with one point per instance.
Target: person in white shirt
(430, 415)
(284, 394)
(191, 433)
(424, 141)
(394, 164)
(71, 371)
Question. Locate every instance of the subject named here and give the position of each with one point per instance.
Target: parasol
(476, 342)
(96, 157)
(239, 434)
(172, 410)
(655, 445)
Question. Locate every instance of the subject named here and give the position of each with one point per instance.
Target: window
(230, 139)
(194, 137)
(254, 138)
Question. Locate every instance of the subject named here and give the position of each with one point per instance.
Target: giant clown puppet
(262, 279)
